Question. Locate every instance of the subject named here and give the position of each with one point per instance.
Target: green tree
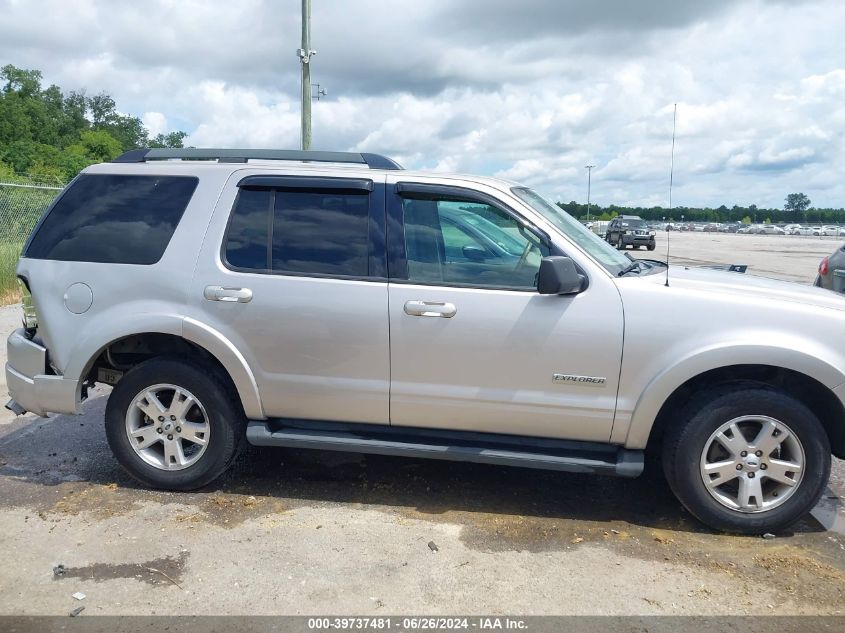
(796, 203)
(44, 132)
(746, 220)
(174, 139)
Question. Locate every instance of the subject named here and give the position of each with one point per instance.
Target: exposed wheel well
(818, 398)
(127, 352)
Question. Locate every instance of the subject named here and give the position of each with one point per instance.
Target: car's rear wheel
(172, 424)
(747, 459)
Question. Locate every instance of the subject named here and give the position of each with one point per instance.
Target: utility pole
(305, 54)
(589, 169)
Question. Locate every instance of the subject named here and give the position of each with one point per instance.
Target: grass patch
(9, 254)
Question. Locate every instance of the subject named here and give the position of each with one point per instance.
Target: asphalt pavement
(307, 532)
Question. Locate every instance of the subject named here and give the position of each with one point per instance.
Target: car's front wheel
(747, 459)
(172, 424)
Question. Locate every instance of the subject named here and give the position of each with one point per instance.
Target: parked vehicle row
(827, 230)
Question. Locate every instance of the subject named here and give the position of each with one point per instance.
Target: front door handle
(430, 309)
(230, 295)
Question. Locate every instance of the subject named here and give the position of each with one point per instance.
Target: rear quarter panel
(127, 299)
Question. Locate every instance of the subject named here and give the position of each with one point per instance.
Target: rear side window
(300, 231)
(113, 219)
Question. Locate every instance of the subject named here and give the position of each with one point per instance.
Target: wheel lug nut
(173, 418)
(751, 475)
(763, 467)
(159, 430)
(169, 437)
(161, 418)
(178, 429)
(744, 453)
(759, 453)
(739, 466)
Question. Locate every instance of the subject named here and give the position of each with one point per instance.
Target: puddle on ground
(160, 571)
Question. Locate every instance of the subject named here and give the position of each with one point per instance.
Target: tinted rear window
(113, 219)
(300, 232)
(321, 232)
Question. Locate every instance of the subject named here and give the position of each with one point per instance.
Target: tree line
(50, 135)
(796, 209)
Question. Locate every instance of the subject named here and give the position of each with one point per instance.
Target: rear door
(293, 273)
(473, 346)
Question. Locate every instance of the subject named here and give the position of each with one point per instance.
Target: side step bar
(481, 448)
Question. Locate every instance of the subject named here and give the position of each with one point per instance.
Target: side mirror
(558, 276)
(474, 253)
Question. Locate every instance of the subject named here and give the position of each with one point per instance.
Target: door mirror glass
(558, 276)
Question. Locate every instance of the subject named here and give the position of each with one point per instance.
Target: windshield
(613, 260)
(633, 224)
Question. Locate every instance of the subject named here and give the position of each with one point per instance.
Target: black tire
(225, 418)
(620, 245)
(686, 438)
(651, 246)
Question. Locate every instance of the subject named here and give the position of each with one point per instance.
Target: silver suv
(335, 301)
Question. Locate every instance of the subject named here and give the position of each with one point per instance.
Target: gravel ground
(287, 532)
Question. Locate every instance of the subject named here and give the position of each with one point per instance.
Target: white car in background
(830, 231)
(771, 229)
(792, 229)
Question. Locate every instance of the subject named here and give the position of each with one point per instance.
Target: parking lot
(789, 257)
(287, 532)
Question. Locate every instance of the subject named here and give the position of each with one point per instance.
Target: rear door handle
(230, 295)
(430, 309)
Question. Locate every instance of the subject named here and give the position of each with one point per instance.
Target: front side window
(469, 243)
(299, 231)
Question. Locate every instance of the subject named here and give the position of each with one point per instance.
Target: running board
(480, 448)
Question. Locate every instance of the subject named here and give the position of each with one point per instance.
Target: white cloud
(530, 91)
(155, 122)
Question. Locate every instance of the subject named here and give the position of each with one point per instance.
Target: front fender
(666, 382)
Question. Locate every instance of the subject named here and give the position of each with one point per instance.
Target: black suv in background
(629, 230)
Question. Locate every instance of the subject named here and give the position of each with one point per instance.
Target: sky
(528, 90)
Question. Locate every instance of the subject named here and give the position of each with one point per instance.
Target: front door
(474, 347)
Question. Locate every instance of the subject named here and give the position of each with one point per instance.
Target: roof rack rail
(373, 161)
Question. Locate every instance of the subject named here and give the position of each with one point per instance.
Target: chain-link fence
(21, 205)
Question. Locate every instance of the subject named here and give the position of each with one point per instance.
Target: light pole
(589, 169)
(305, 54)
